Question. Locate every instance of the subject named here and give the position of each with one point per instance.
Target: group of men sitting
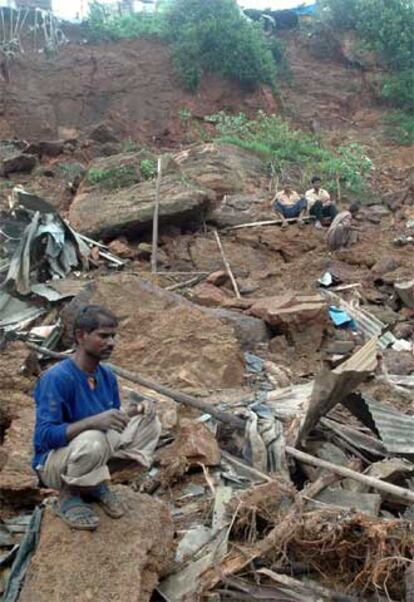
(317, 203)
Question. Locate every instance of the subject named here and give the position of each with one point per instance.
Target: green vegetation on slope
(206, 37)
(285, 149)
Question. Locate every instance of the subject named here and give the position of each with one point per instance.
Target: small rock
(17, 162)
(404, 330)
(385, 265)
(399, 362)
(195, 443)
(103, 133)
(248, 330)
(218, 278)
(120, 248)
(48, 148)
(208, 295)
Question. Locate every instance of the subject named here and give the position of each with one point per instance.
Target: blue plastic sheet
(341, 318)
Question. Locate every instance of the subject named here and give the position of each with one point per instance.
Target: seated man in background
(319, 203)
(289, 205)
(80, 427)
(342, 233)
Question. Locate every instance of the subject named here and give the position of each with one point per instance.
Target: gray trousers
(83, 463)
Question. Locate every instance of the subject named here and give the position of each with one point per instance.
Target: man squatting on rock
(81, 431)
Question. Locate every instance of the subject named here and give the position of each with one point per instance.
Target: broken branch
(227, 265)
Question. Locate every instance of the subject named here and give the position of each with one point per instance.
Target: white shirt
(312, 196)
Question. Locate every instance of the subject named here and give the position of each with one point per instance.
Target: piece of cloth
(291, 211)
(84, 462)
(322, 212)
(64, 395)
(340, 234)
(312, 196)
(288, 200)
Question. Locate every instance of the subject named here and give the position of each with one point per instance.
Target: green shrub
(399, 128)
(398, 89)
(215, 37)
(383, 26)
(113, 178)
(148, 169)
(104, 25)
(284, 148)
(206, 37)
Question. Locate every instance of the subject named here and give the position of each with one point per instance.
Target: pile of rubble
(285, 467)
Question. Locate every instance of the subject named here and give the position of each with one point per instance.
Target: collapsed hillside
(93, 109)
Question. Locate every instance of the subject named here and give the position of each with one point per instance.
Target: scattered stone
(218, 278)
(120, 247)
(385, 265)
(208, 295)
(49, 148)
(404, 330)
(195, 444)
(301, 318)
(17, 162)
(248, 330)
(103, 133)
(405, 290)
(399, 362)
(123, 559)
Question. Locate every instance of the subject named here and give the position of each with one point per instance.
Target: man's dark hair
(355, 207)
(316, 179)
(92, 317)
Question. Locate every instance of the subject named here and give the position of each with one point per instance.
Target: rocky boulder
(301, 318)
(114, 200)
(18, 482)
(123, 559)
(107, 213)
(164, 336)
(223, 168)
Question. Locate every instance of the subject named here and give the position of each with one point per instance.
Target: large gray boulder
(194, 181)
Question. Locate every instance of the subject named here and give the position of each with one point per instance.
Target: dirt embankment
(130, 84)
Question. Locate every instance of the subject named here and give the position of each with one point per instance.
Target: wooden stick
(156, 218)
(400, 492)
(309, 588)
(175, 287)
(227, 265)
(272, 222)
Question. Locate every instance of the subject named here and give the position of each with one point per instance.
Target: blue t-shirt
(64, 395)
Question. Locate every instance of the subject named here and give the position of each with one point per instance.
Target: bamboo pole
(227, 265)
(156, 217)
(271, 222)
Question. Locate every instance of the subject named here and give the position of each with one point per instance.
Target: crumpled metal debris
(38, 251)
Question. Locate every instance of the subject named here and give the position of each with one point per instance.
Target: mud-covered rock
(208, 295)
(164, 336)
(122, 560)
(249, 331)
(302, 318)
(18, 482)
(385, 265)
(107, 213)
(223, 168)
(17, 162)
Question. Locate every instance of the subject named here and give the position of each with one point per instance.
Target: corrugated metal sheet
(402, 381)
(366, 322)
(395, 429)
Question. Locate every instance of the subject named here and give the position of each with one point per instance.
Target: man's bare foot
(108, 500)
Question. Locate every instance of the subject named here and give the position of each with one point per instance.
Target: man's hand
(145, 408)
(112, 419)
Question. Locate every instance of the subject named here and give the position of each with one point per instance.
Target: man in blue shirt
(80, 425)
